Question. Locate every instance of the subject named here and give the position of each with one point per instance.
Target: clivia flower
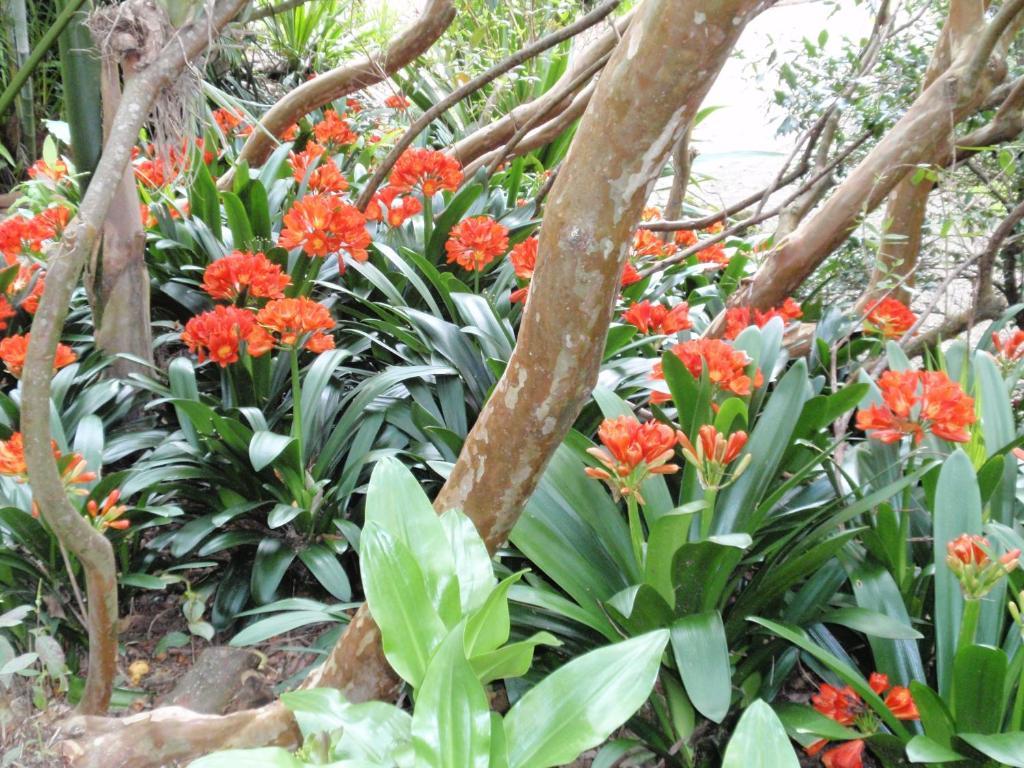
(242, 275)
(13, 350)
(713, 453)
(968, 558)
(685, 237)
(334, 129)
(726, 367)
(218, 335)
(476, 242)
(399, 207)
(1009, 346)
(916, 403)
(739, 318)
(648, 243)
(425, 170)
(890, 318)
(324, 224)
(397, 101)
(325, 176)
(73, 469)
(631, 451)
(713, 254)
(294, 318)
(524, 260)
(845, 706)
(629, 275)
(228, 120)
(107, 514)
(41, 169)
(657, 318)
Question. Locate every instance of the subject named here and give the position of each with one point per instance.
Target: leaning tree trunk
(117, 279)
(662, 69)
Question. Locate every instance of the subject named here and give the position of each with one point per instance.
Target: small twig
(274, 10)
(478, 82)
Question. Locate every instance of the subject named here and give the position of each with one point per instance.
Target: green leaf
(513, 660)
(396, 591)
(807, 722)
(265, 447)
(935, 715)
(1004, 748)
(921, 749)
(579, 705)
(957, 511)
(638, 609)
(759, 741)
(978, 699)
(472, 561)
(871, 623)
(238, 221)
(488, 627)
(451, 727)
(272, 560)
(702, 655)
(265, 757)
(323, 564)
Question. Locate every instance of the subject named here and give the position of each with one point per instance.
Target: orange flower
(889, 317)
(901, 703)
(228, 120)
(650, 213)
(12, 457)
(657, 318)
(968, 558)
(840, 704)
(474, 243)
(106, 514)
(738, 318)
(397, 101)
(399, 207)
(713, 453)
(42, 169)
(323, 224)
(243, 275)
(354, 104)
(726, 366)
(524, 257)
(324, 177)
(685, 237)
(647, 243)
(631, 452)
(713, 254)
(849, 754)
(629, 275)
(12, 463)
(218, 335)
(1009, 345)
(714, 229)
(6, 312)
(292, 318)
(917, 402)
(14, 348)
(425, 170)
(20, 234)
(969, 550)
(334, 129)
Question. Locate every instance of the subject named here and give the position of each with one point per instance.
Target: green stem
(707, 517)
(476, 281)
(297, 404)
(428, 221)
(37, 54)
(969, 623)
(636, 532)
(1017, 716)
(903, 544)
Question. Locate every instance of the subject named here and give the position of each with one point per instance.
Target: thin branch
(273, 10)
(478, 82)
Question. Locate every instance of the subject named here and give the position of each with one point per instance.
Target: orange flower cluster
(241, 276)
(726, 367)
(685, 238)
(12, 463)
(26, 235)
(713, 254)
(739, 318)
(107, 514)
(629, 275)
(334, 129)
(229, 121)
(397, 101)
(648, 243)
(425, 170)
(631, 451)
(14, 348)
(319, 170)
(156, 171)
(524, 260)
(845, 706)
(713, 453)
(916, 403)
(968, 558)
(399, 207)
(476, 242)
(40, 169)
(174, 211)
(218, 335)
(293, 318)
(890, 318)
(1009, 345)
(658, 318)
(323, 224)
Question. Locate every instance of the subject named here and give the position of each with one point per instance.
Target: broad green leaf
(759, 741)
(323, 564)
(935, 715)
(265, 757)
(451, 726)
(372, 731)
(488, 627)
(472, 561)
(978, 699)
(921, 749)
(639, 609)
(702, 655)
(1005, 748)
(579, 705)
(396, 591)
(871, 623)
(266, 447)
(272, 560)
(807, 723)
(511, 660)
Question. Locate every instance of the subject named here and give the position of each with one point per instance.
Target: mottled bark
(956, 93)
(663, 68)
(341, 81)
(117, 278)
(91, 548)
(682, 163)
